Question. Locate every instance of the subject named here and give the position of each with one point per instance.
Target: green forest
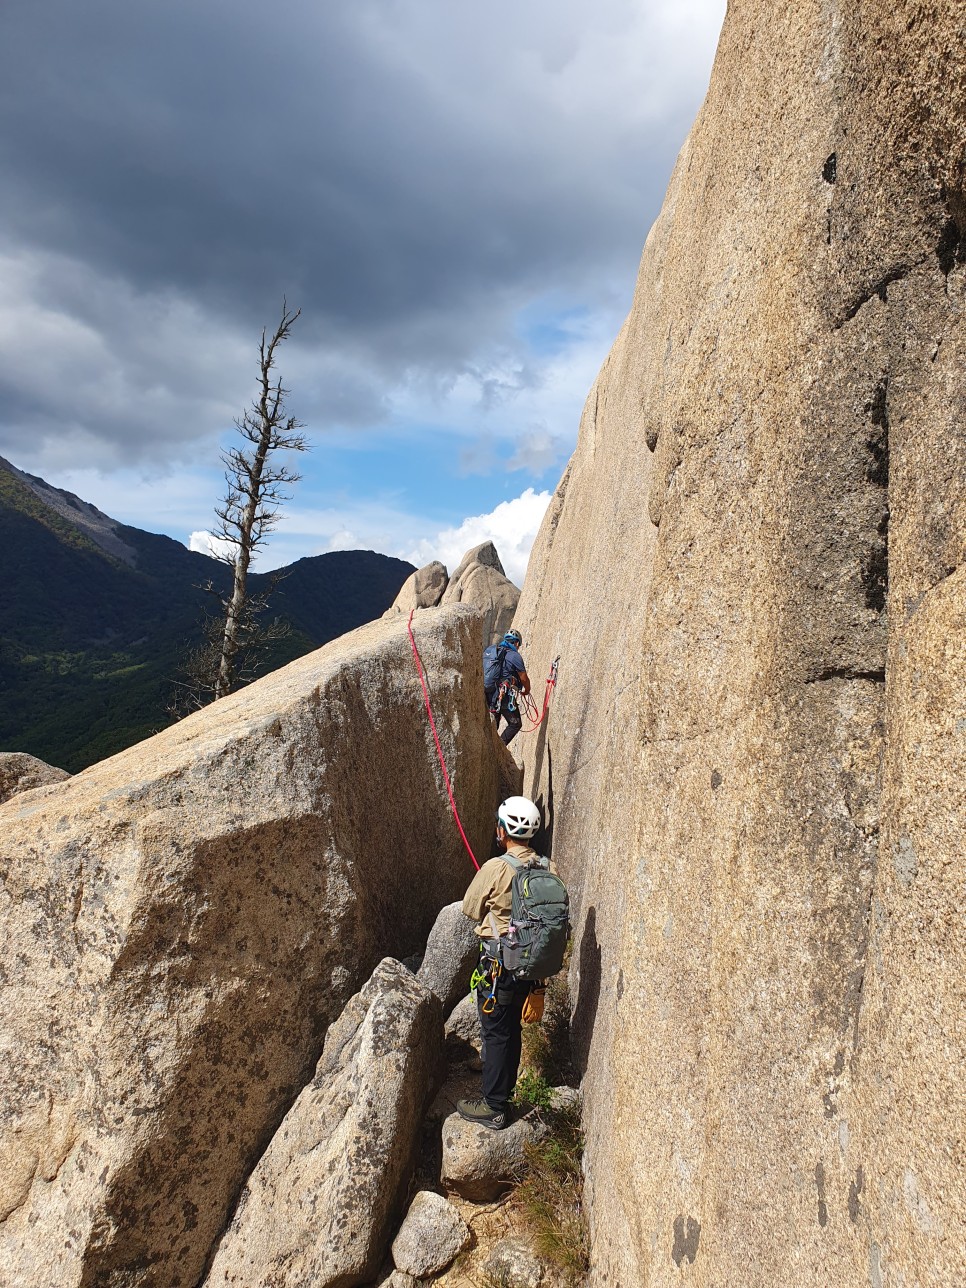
(90, 646)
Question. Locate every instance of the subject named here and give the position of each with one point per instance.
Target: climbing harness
(486, 972)
(523, 702)
(439, 749)
(530, 707)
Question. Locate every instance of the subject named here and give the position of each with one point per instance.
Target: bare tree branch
(234, 640)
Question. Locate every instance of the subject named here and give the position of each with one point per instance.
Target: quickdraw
(487, 972)
(489, 1002)
(530, 707)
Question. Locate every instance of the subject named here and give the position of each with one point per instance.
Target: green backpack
(535, 945)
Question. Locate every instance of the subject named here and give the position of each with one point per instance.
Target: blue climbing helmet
(513, 638)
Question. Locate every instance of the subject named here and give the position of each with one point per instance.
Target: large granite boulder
(422, 589)
(753, 573)
(481, 581)
(452, 951)
(478, 580)
(318, 1206)
(21, 773)
(182, 922)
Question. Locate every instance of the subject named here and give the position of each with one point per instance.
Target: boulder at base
(181, 923)
(431, 1237)
(317, 1208)
(20, 773)
(480, 1164)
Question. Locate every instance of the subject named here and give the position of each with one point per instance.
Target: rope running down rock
(439, 749)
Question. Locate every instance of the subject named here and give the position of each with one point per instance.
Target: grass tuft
(550, 1196)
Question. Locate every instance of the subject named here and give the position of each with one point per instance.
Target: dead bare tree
(234, 639)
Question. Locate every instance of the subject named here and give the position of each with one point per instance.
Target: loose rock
(480, 1164)
(431, 1237)
(512, 1263)
(398, 1279)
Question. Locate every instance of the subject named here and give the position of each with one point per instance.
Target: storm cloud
(417, 175)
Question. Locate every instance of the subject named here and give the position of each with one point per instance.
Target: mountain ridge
(98, 615)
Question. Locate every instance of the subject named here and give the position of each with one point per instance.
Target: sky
(455, 196)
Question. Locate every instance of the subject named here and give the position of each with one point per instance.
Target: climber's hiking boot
(479, 1112)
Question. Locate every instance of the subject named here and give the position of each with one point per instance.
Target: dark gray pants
(502, 1039)
(506, 705)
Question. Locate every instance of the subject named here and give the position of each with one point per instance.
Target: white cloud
(344, 540)
(204, 543)
(537, 450)
(512, 527)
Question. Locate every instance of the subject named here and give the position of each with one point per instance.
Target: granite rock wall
(754, 763)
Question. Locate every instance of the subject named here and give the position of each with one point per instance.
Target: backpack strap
(518, 865)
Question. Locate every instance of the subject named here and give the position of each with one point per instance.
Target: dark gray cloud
(411, 172)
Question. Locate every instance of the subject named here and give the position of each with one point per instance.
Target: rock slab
(317, 1207)
(753, 573)
(181, 923)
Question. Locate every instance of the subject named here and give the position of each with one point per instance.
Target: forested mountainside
(97, 616)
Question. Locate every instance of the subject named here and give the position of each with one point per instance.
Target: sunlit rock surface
(181, 923)
(755, 759)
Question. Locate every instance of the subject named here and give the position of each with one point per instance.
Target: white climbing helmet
(519, 816)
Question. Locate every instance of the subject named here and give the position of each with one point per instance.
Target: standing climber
(505, 681)
(499, 996)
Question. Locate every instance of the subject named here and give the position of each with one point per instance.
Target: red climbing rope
(530, 707)
(439, 749)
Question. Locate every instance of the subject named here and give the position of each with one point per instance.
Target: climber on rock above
(505, 680)
(500, 997)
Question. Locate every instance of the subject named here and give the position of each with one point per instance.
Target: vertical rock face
(755, 760)
(182, 922)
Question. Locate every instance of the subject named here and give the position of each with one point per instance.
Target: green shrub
(533, 1089)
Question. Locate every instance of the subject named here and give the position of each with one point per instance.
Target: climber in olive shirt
(487, 902)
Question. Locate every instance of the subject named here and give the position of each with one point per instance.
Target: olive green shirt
(488, 899)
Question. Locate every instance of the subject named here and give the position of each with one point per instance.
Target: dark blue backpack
(493, 665)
